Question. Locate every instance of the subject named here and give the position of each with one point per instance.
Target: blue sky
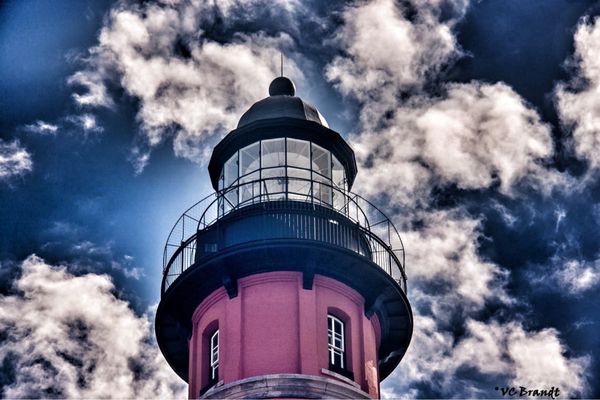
(476, 126)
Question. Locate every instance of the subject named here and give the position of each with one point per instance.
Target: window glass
(250, 188)
(339, 183)
(273, 184)
(287, 168)
(321, 161)
(249, 159)
(337, 173)
(335, 340)
(273, 153)
(298, 153)
(322, 191)
(299, 184)
(214, 357)
(230, 199)
(231, 170)
(221, 181)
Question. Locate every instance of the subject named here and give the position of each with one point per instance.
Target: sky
(476, 127)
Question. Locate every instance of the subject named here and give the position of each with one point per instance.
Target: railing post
(181, 254)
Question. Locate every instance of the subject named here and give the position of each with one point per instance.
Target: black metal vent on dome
(282, 86)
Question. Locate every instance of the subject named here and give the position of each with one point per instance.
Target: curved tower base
(288, 386)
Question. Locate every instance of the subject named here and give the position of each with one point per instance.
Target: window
(249, 159)
(273, 153)
(321, 161)
(282, 168)
(338, 178)
(213, 369)
(299, 184)
(272, 156)
(249, 173)
(298, 153)
(338, 175)
(230, 177)
(231, 170)
(336, 346)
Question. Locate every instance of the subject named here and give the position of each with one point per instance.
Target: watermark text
(522, 391)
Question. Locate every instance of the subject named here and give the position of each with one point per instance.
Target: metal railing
(385, 247)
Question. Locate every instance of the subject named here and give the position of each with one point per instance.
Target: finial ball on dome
(282, 86)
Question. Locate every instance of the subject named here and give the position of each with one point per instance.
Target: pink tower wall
(274, 326)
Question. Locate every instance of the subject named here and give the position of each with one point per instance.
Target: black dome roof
(282, 103)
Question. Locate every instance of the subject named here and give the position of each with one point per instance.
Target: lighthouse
(283, 283)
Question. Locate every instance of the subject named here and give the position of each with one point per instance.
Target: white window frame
(333, 334)
(214, 355)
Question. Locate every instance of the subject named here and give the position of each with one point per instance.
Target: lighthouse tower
(283, 283)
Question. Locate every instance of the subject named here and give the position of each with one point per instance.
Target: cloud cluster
(444, 252)
(450, 285)
(574, 275)
(475, 136)
(468, 136)
(386, 52)
(578, 104)
(42, 127)
(189, 86)
(471, 135)
(87, 123)
(70, 337)
(487, 356)
(15, 160)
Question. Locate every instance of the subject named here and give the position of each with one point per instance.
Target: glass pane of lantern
(322, 191)
(231, 170)
(337, 174)
(250, 188)
(249, 159)
(221, 181)
(298, 153)
(230, 200)
(273, 184)
(299, 184)
(273, 153)
(321, 161)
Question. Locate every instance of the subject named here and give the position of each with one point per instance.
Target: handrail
(368, 217)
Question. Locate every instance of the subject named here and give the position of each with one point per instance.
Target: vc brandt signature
(522, 391)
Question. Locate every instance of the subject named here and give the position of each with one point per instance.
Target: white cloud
(578, 105)
(94, 91)
(472, 135)
(187, 97)
(86, 122)
(450, 284)
(386, 53)
(576, 276)
(475, 136)
(443, 251)
(506, 215)
(14, 160)
(560, 214)
(69, 336)
(507, 354)
(42, 128)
